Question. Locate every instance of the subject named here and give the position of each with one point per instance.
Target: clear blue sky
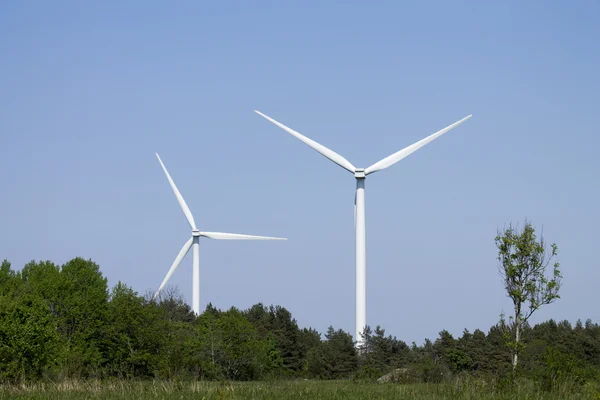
(88, 93)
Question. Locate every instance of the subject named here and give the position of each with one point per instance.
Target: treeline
(62, 322)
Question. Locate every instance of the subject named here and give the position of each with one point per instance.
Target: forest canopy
(63, 321)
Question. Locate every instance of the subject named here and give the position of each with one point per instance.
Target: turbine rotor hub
(359, 173)
(195, 233)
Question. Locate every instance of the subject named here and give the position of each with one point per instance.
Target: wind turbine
(194, 242)
(359, 203)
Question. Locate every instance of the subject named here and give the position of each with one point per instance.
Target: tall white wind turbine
(359, 202)
(194, 242)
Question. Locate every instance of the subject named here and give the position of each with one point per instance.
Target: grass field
(288, 390)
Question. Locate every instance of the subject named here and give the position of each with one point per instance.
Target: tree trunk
(516, 348)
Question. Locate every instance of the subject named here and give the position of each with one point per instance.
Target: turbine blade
(184, 207)
(182, 253)
(319, 148)
(394, 158)
(236, 236)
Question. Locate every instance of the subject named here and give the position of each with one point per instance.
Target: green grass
(326, 390)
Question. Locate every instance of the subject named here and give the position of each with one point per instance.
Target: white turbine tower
(194, 242)
(359, 203)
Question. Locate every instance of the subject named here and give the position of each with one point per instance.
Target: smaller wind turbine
(194, 242)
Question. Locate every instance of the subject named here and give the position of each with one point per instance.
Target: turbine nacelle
(359, 173)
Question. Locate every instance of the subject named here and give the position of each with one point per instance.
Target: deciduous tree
(523, 261)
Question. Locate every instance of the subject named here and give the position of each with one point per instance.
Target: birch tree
(523, 261)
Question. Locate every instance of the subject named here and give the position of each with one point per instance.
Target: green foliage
(227, 346)
(244, 355)
(177, 319)
(380, 354)
(431, 371)
(80, 302)
(9, 281)
(334, 358)
(29, 342)
(458, 360)
(276, 324)
(132, 341)
(62, 323)
(523, 261)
